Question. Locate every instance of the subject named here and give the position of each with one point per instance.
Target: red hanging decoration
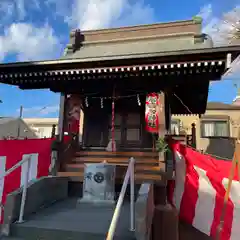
(72, 115)
(152, 113)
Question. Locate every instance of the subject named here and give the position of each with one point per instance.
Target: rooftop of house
(41, 120)
(222, 106)
(4, 120)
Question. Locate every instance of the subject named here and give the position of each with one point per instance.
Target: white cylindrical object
(132, 194)
(24, 193)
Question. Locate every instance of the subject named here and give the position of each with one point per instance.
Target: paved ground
(71, 216)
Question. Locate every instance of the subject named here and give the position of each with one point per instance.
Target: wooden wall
(95, 131)
(97, 123)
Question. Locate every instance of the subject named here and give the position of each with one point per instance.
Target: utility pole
(19, 121)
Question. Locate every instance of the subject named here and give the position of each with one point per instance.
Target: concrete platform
(69, 220)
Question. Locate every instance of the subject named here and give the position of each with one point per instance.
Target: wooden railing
(64, 151)
(187, 139)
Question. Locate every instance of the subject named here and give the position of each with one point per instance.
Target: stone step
(80, 166)
(115, 154)
(116, 160)
(139, 177)
(144, 172)
(73, 221)
(10, 238)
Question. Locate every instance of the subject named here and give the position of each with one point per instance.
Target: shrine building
(127, 82)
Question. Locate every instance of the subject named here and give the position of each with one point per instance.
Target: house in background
(216, 130)
(42, 127)
(11, 128)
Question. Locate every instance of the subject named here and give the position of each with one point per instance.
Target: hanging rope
(113, 122)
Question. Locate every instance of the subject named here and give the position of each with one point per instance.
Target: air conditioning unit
(35, 129)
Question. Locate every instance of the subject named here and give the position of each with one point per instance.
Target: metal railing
(25, 184)
(129, 176)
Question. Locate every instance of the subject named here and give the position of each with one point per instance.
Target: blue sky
(39, 29)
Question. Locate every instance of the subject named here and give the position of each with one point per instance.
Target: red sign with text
(152, 113)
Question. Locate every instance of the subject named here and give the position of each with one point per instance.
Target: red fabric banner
(198, 192)
(13, 151)
(151, 113)
(73, 109)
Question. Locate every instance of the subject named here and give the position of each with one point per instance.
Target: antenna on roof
(19, 122)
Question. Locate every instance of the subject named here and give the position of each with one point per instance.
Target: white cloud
(29, 42)
(206, 12)
(221, 29)
(95, 14)
(24, 39)
(15, 10)
(39, 111)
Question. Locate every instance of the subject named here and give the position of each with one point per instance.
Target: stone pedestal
(144, 212)
(99, 183)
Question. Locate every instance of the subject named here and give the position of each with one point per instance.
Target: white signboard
(99, 183)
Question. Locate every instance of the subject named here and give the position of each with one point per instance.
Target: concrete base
(165, 223)
(69, 220)
(40, 194)
(96, 202)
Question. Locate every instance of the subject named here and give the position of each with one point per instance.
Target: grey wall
(10, 128)
(144, 212)
(41, 193)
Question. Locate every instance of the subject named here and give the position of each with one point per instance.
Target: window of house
(175, 126)
(218, 128)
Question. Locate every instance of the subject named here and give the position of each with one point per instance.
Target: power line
(205, 153)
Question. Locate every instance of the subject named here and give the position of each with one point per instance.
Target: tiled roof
(221, 106)
(4, 120)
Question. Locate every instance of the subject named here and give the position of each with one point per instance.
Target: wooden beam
(162, 120)
(61, 116)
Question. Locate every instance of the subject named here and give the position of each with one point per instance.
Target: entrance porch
(127, 120)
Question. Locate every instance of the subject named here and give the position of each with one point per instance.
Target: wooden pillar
(167, 118)
(165, 223)
(194, 140)
(168, 115)
(57, 146)
(161, 115)
(61, 118)
(165, 220)
(162, 123)
(53, 133)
